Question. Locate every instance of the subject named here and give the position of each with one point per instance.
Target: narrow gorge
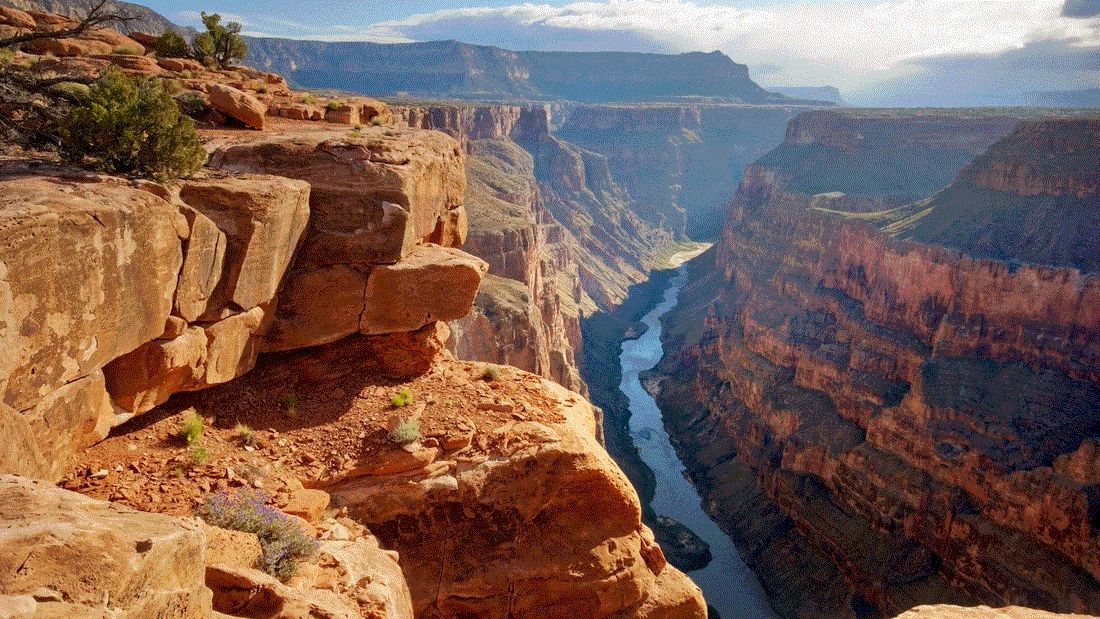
(645, 341)
(882, 422)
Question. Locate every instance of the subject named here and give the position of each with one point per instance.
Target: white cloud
(852, 44)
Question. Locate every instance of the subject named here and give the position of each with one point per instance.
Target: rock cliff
(561, 238)
(680, 163)
(284, 297)
(882, 423)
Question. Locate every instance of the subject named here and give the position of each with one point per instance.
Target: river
(728, 585)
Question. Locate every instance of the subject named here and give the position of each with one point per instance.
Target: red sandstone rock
(238, 104)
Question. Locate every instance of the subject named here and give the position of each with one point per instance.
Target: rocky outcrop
(363, 266)
(237, 104)
(882, 423)
(560, 237)
(1046, 170)
(114, 295)
(681, 164)
(66, 555)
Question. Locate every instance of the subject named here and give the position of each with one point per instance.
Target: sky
(892, 52)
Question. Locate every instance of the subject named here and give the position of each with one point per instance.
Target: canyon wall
(280, 298)
(882, 423)
(561, 238)
(680, 163)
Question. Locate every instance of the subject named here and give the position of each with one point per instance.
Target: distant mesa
(827, 94)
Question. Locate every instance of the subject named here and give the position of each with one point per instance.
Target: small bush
(401, 398)
(190, 429)
(127, 51)
(261, 89)
(171, 45)
(283, 543)
(131, 126)
(308, 99)
(490, 373)
(244, 434)
(356, 134)
(73, 89)
(197, 455)
(408, 431)
(192, 103)
(289, 403)
(186, 74)
(332, 106)
(357, 127)
(376, 121)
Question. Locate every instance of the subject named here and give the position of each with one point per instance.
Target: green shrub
(376, 121)
(401, 398)
(490, 373)
(186, 74)
(261, 89)
(73, 89)
(132, 126)
(221, 44)
(283, 543)
(408, 431)
(245, 434)
(171, 45)
(198, 455)
(332, 106)
(308, 99)
(190, 429)
(192, 103)
(289, 403)
(127, 51)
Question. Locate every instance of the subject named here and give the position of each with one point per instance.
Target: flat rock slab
(73, 556)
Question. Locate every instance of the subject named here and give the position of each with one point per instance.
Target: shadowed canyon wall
(681, 163)
(562, 239)
(882, 423)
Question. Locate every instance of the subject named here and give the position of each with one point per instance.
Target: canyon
(890, 403)
(882, 378)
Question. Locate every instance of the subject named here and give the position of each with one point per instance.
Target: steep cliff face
(116, 295)
(450, 68)
(561, 238)
(681, 164)
(883, 423)
(1046, 171)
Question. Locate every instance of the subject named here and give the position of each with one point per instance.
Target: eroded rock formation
(115, 295)
(883, 423)
(561, 238)
(680, 163)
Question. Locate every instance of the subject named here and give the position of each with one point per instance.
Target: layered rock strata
(114, 295)
(680, 163)
(882, 423)
(560, 237)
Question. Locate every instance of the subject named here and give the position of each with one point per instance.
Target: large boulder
(373, 198)
(66, 555)
(87, 273)
(237, 104)
(262, 219)
(196, 359)
(319, 306)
